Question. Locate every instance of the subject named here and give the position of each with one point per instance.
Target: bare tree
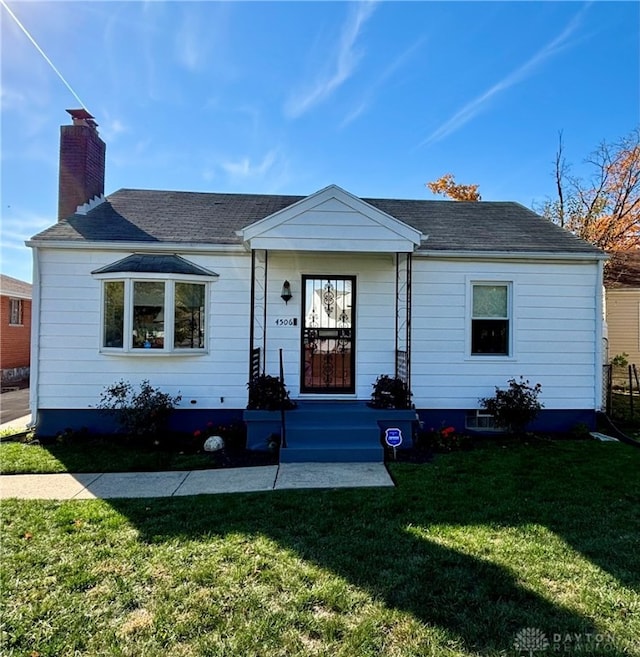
(605, 208)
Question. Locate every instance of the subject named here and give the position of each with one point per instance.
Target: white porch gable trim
(331, 220)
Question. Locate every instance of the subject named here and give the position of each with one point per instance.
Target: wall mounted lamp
(286, 292)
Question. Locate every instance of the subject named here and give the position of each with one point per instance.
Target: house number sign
(286, 321)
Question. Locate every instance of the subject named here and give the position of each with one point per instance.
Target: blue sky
(377, 97)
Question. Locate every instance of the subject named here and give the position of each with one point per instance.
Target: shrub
(390, 392)
(444, 439)
(620, 360)
(268, 393)
(515, 408)
(140, 414)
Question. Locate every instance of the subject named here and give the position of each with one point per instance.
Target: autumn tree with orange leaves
(605, 208)
(447, 186)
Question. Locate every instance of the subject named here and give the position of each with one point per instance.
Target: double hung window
(490, 319)
(15, 312)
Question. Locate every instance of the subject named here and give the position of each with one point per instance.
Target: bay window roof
(144, 263)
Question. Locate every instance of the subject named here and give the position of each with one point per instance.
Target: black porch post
(258, 316)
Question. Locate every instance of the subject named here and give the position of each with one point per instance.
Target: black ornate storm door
(328, 334)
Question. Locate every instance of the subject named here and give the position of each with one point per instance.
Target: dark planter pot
(261, 425)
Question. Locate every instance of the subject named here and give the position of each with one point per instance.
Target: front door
(328, 334)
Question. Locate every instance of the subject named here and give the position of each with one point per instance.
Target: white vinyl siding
(553, 326)
(73, 371)
(374, 318)
(332, 220)
(623, 323)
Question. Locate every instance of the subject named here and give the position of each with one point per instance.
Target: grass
(25, 457)
(86, 452)
(456, 560)
(622, 416)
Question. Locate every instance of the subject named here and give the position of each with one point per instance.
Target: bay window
(154, 303)
(154, 315)
(113, 314)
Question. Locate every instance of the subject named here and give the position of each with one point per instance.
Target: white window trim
(511, 285)
(20, 321)
(478, 414)
(169, 311)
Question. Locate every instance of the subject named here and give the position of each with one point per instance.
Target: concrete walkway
(196, 482)
(17, 425)
(109, 485)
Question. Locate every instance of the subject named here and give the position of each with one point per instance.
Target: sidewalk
(84, 486)
(196, 482)
(20, 424)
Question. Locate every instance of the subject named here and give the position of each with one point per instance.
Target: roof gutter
(600, 352)
(155, 247)
(512, 255)
(34, 366)
(194, 247)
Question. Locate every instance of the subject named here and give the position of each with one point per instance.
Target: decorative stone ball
(214, 444)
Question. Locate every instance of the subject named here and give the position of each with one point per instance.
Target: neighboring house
(622, 285)
(197, 292)
(15, 334)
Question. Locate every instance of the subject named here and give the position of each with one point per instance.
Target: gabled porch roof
(331, 220)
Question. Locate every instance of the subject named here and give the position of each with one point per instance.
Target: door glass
(328, 335)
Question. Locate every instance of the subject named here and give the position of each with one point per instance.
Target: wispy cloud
(111, 127)
(343, 63)
(386, 75)
(190, 49)
(245, 168)
(471, 109)
(268, 173)
(19, 226)
(11, 99)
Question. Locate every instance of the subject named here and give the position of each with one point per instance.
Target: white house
(199, 291)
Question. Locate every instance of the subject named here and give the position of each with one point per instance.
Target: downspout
(599, 346)
(34, 367)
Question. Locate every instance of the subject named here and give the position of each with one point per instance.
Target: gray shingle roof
(134, 215)
(10, 286)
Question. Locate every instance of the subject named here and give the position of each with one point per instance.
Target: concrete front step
(344, 454)
(332, 442)
(327, 432)
(322, 436)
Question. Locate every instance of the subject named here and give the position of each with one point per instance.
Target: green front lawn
(465, 553)
(621, 413)
(24, 457)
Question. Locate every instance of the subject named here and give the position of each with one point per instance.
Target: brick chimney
(81, 163)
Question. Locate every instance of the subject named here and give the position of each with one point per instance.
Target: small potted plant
(391, 398)
(390, 392)
(268, 393)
